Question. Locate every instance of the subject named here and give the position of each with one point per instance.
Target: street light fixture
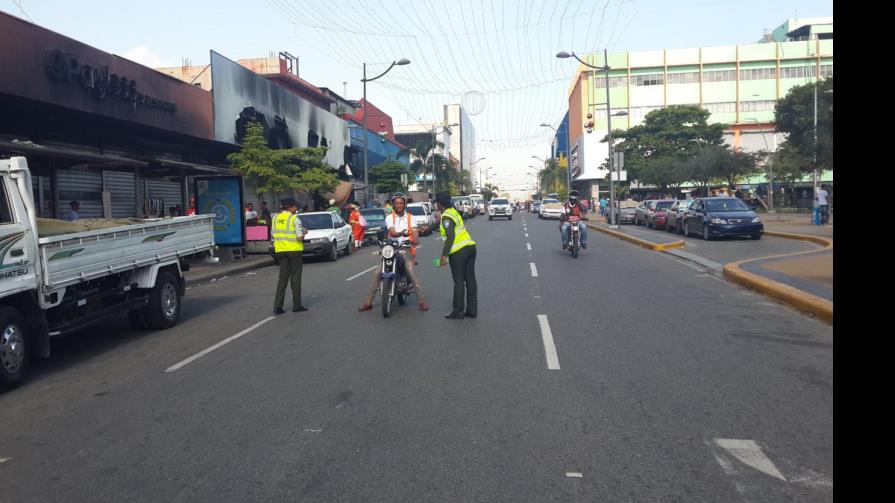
(400, 62)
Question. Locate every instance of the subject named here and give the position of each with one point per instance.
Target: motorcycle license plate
(385, 275)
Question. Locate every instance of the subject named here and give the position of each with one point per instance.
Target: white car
(551, 208)
(326, 234)
(500, 207)
(423, 219)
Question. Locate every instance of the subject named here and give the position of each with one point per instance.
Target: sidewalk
(203, 272)
(796, 223)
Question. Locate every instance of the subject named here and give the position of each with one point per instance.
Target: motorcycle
(574, 235)
(393, 282)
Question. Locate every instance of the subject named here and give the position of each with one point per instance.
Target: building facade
(738, 84)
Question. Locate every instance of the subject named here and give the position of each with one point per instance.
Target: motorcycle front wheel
(388, 291)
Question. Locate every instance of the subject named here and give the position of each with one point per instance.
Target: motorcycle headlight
(388, 251)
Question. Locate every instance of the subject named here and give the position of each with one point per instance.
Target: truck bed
(71, 258)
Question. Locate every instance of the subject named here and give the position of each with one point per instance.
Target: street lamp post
(473, 163)
(609, 114)
(537, 175)
(400, 62)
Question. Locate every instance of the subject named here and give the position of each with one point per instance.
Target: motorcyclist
(573, 211)
(400, 229)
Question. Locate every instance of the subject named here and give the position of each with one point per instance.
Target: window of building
(826, 71)
(758, 74)
(721, 108)
(600, 83)
(719, 75)
(313, 139)
(796, 72)
(683, 78)
(757, 106)
(652, 79)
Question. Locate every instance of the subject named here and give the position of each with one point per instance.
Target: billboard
(290, 121)
(222, 197)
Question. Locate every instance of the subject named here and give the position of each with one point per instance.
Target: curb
(821, 308)
(637, 241)
(825, 242)
(235, 270)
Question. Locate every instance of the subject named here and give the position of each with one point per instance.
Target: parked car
(674, 216)
(536, 207)
(327, 234)
(550, 208)
(625, 215)
(655, 218)
(642, 210)
(423, 219)
(376, 226)
(500, 208)
(722, 216)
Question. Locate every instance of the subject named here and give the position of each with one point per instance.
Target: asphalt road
(667, 384)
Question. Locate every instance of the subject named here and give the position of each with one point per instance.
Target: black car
(722, 216)
(376, 225)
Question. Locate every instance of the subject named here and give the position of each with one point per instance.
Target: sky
(496, 56)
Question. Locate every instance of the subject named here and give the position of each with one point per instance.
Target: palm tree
(490, 190)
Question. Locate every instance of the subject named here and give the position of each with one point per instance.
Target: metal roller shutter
(121, 186)
(169, 192)
(86, 187)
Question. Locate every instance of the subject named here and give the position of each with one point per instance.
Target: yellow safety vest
(462, 239)
(283, 233)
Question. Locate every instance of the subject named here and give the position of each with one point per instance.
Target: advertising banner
(222, 197)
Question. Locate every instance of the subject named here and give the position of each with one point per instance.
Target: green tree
(282, 170)
(664, 172)
(674, 132)
(387, 176)
(734, 165)
(489, 190)
(794, 115)
(702, 169)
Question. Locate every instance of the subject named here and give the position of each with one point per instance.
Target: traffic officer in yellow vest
(287, 234)
(459, 250)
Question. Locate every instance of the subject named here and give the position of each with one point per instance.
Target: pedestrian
(73, 212)
(822, 199)
(265, 214)
(178, 210)
(251, 216)
(358, 226)
(192, 207)
(460, 251)
(288, 252)
(603, 203)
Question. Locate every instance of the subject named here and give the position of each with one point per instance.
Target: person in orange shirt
(357, 227)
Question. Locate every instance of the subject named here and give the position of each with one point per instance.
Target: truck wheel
(13, 349)
(163, 310)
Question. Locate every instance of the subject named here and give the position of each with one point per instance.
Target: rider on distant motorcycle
(573, 211)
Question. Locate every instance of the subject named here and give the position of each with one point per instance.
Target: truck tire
(163, 310)
(13, 348)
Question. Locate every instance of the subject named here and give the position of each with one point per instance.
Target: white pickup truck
(52, 286)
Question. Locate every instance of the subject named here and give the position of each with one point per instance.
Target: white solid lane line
(749, 453)
(549, 346)
(534, 269)
(365, 271)
(528, 245)
(228, 340)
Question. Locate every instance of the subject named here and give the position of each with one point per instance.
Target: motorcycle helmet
(573, 197)
(399, 195)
